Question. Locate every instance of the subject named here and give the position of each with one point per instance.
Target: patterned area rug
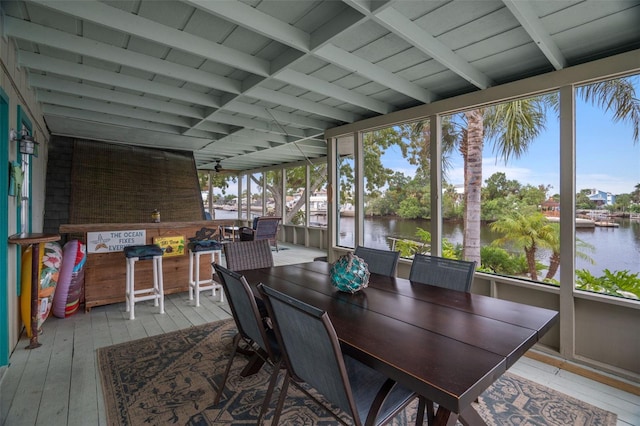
(172, 379)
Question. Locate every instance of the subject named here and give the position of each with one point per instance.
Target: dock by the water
(607, 224)
(588, 223)
(580, 222)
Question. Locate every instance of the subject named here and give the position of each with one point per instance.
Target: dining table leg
(254, 365)
(425, 406)
(445, 417)
(468, 417)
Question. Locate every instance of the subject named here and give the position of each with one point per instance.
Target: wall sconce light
(28, 145)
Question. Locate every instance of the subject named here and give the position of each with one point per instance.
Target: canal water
(615, 249)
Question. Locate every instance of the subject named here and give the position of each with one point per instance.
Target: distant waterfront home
(551, 207)
(602, 198)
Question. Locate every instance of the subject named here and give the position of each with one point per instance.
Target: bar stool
(197, 249)
(133, 254)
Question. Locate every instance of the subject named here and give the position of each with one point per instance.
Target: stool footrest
(143, 298)
(147, 290)
(207, 285)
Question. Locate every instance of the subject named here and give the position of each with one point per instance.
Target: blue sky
(607, 158)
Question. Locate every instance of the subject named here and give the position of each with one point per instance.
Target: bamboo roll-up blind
(124, 184)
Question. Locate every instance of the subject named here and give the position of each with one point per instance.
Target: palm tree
(526, 231)
(553, 243)
(512, 127)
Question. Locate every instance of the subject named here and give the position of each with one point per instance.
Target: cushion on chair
(204, 234)
(246, 230)
(144, 252)
(205, 245)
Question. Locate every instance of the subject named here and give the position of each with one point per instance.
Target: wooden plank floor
(58, 384)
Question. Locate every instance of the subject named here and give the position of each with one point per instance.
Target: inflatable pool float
(48, 271)
(68, 291)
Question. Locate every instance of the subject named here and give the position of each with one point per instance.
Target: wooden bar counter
(105, 273)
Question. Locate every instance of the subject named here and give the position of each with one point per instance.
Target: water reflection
(615, 249)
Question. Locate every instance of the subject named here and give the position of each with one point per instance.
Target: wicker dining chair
(243, 255)
(383, 262)
(442, 272)
(251, 330)
(312, 354)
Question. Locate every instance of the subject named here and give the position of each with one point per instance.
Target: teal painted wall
(4, 229)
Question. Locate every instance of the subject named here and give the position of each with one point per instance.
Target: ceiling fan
(219, 169)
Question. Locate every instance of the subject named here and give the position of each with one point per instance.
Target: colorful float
(48, 271)
(70, 283)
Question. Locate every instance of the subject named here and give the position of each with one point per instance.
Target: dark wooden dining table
(446, 345)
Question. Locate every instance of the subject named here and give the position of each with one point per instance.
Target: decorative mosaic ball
(350, 273)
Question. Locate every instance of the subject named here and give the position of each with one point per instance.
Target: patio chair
(383, 262)
(264, 228)
(251, 329)
(442, 272)
(244, 255)
(311, 352)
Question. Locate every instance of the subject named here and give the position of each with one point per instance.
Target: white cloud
(604, 182)
(524, 175)
(601, 181)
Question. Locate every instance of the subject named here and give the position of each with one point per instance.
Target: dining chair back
(442, 272)
(312, 354)
(243, 255)
(383, 262)
(264, 228)
(251, 329)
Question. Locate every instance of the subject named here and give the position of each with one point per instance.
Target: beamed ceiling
(256, 83)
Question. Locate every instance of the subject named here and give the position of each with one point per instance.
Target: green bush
(619, 283)
(409, 248)
(498, 260)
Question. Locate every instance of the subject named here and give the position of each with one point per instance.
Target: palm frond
(619, 97)
(514, 125)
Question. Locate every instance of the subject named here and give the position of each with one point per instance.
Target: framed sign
(172, 246)
(110, 241)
